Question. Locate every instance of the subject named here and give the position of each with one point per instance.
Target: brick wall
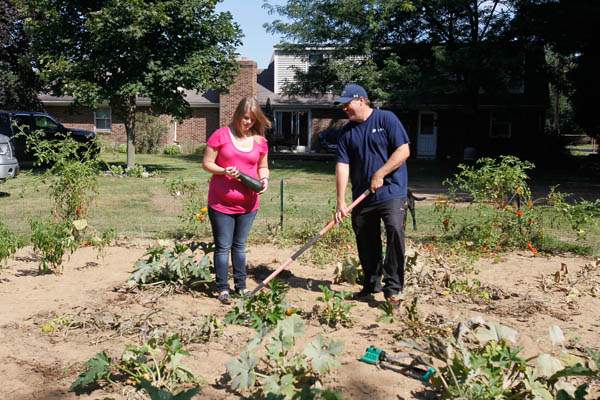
(324, 119)
(244, 85)
(199, 126)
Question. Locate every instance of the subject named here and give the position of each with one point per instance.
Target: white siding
(285, 68)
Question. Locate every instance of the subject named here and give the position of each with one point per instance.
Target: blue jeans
(230, 232)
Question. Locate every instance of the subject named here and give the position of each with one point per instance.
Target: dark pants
(366, 222)
(230, 232)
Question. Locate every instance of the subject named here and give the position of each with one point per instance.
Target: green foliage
(262, 310)
(282, 373)
(498, 181)
(9, 243)
(386, 45)
(193, 215)
(97, 368)
(20, 83)
(348, 270)
(72, 175)
(122, 148)
(169, 46)
(579, 215)
(481, 362)
(388, 316)
(51, 239)
(332, 247)
(154, 366)
(472, 289)
(336, 309)
(180, 266)
(171, 150)
(149, 133)
(159, 394)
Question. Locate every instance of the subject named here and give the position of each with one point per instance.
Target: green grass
(138, 207)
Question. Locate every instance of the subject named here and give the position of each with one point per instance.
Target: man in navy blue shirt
(372, 151)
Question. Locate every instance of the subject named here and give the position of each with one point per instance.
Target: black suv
(52, 129)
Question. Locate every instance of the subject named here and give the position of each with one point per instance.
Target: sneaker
(395, 299)
(224, 297)
(363, 294)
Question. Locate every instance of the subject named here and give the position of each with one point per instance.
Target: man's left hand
(376, 182)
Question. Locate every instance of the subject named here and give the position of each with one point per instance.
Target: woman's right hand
(232, 171)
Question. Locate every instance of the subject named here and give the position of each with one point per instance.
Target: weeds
(265, 309)
(336, 310)
(282, 373)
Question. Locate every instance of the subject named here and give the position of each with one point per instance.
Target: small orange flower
(200, 217)
(519, 213)
(204, 210)
(531, 248)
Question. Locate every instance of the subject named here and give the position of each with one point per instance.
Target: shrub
(193, 215)
(171, 150)
(497, 181)
(122, 148)
(51, 239)
(149, 132)
(9, 243)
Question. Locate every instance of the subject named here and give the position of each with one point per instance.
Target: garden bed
(51, 324)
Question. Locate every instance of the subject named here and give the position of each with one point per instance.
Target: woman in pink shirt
(239, 147)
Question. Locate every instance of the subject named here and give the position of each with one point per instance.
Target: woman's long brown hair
(250, 104)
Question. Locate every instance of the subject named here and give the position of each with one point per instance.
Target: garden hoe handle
(307, 245)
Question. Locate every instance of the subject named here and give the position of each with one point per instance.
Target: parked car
(52, 129)
(328, 140)
(9, 167)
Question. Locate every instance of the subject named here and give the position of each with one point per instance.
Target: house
(439, 126)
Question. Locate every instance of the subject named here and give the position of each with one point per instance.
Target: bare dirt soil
(525, 292)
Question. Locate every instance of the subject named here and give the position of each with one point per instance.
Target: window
(102, 119)
(500, 124)
(44, 123)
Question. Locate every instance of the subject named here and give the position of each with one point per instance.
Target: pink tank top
(226, 194)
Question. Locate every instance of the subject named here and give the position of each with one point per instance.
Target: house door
(427, 135)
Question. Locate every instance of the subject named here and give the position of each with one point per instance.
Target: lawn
(142, 207)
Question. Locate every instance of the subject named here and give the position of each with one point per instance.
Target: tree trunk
(556, 122)
(130, 128)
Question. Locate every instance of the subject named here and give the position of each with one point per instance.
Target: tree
(115, 51)
(20, 86)
(400, 49)
(568, 28)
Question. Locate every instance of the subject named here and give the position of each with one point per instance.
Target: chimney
(244, 85)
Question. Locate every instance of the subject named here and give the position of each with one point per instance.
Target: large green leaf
(282, 386)
(496, 332)
(159, 394)
(547, 365)
(322, 355)
(241, 371)
(98, 368)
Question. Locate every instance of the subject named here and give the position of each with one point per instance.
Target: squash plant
(336, 309)
(158, 363)
(180, 266)
(281, 372)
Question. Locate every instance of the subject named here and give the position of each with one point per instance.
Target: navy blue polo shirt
(366, 146)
